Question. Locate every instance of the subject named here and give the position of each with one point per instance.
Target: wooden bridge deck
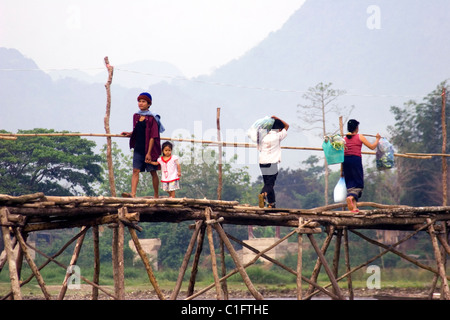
(35, 212)
(39, 212)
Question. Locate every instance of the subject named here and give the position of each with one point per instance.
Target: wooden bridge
(23, 215)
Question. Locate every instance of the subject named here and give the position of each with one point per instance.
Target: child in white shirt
(170, 169)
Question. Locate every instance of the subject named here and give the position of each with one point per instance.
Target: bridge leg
(15, 285)
(326, 267)
(238, 264)
(439, 262)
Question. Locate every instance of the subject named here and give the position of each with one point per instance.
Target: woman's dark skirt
(354, 176)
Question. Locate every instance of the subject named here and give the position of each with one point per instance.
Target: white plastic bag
(340, 191)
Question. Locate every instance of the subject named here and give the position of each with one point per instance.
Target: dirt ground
(84, 293)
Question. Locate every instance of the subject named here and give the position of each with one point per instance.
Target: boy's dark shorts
(139, 163)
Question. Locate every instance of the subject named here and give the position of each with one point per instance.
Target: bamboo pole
(147, 264)
(185, 262)
(15, 285)
(31, 264)
(211, 142)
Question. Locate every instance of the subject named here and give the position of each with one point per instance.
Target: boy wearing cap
(145, 141)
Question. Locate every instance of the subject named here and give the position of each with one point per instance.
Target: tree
(57, 165)
(320, 104)
(418, 128)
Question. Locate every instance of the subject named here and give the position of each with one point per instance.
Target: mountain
(382, 55)
(130, 75)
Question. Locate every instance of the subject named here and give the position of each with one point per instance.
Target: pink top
(169, 169)
(353, 146)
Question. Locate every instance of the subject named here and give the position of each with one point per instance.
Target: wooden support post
(198, 251)
(15, 285)
(147, 265)
(263, 255)
(24, 282)
(73, 261)
(213, 253)
(316, 270)
(117, 256)
(337, 252)
(185, 262)
(237, 262)
(31, 264)
(112, 183)
(96, 277)
(439, 262)
(347, 264)
(329, 272)
(65, 268)
(299, 261)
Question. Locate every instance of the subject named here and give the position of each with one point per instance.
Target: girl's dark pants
(269, 172)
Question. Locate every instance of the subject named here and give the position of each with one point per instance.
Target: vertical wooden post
(219, 140)
(219, 197)
(439, 262)
(15, 285)
(96, 277)
(347, 264)
(444, 148)
(299, 261)
(117, 256)
(112, 183)
(213, 253)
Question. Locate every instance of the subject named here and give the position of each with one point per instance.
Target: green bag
(332, 155)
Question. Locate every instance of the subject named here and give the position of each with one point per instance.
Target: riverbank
(84, 293)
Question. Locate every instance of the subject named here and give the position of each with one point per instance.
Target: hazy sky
(194, 35)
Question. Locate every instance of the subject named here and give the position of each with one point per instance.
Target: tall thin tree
(316, 112)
